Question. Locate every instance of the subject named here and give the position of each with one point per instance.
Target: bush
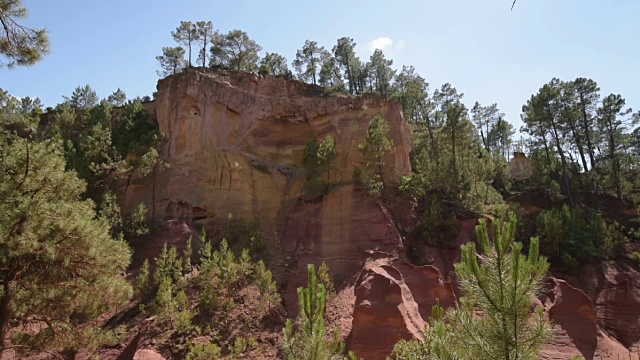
(437, 226)
(245, 233)
(204, 352)
(576, 235)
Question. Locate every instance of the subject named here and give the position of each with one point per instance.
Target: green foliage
(235, 51)
(310, 158)
(185, 34)
(171, 61)
(263, 278)
(324, 277)
(346, 59)
(381, 73)
(242, 345)
(143, 280)
(223, 273)
(500, 287)
(186, 257)
(327, 153)
(261, 167)
(246, 233)
(172, 307)
(374, 151)
(315, 158)
(136, 224)
(132, 133)
(635, 256)
(274, 64)
(576, 236)
(20, 45)
(440, 342)
(204, 352)
(168, 265)
(54, 250)
(438, 225)
(83, 97)
(308, 61)
(307, 340)
(110, 211)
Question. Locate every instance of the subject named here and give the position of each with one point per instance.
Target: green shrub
(242, 345)
(204, 352)
(437, 226)
(581, 234)
(245, 233)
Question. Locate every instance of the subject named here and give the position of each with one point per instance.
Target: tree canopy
(19, 45)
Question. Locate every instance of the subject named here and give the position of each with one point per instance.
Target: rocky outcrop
(519, 166)
(576, 326)
(393, 303)
(236, 140)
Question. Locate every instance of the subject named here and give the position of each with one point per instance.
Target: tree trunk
(576, 137)
(565, 175)
(587, 133)
(153, 197)
(204, 49)
(5, 311)
(189, 53)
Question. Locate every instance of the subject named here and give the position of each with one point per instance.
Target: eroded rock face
(393, 303)
(236, 140)
(519, 166)
(576, 327)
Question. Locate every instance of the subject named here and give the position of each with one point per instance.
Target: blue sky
(487, 51)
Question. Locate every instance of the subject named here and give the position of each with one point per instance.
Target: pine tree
(185, 34)
(307, 341)
(143, 281)
(53, 248)
(500, 286)
(374, 150)
(263, 278)
(171, 61)
(327, 153)
(168, 265)
(186, 256)
(19, 44)
(325, 279)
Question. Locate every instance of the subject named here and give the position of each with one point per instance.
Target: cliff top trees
(204, 34)
(171, 60)
(309, 61)
(186, 34)
(346, 58)
(381, 73)
(235, 51)
(274, 64)
(19, 45)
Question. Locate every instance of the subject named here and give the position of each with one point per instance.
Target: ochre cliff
(235, 145)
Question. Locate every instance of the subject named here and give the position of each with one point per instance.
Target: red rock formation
(235, 143)
(235, 146)
(577, 331)
(393, 302)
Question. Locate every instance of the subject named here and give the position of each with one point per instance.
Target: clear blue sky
(487, 51)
